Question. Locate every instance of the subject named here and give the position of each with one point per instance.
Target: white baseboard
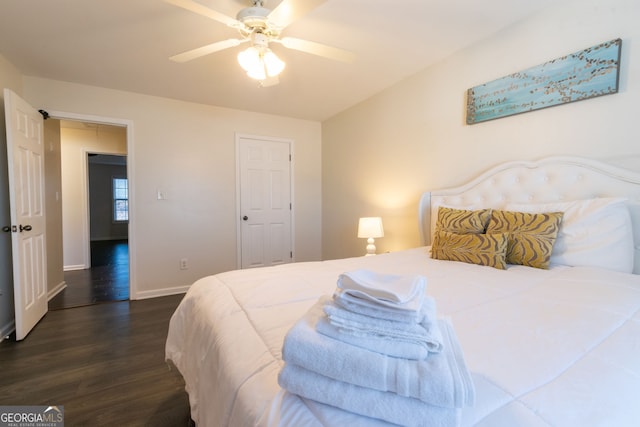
(55, 291)
(105, 239)
(159, 293)
(7, 329)
(74, 267)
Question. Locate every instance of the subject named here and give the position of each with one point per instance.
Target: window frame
(115, 200)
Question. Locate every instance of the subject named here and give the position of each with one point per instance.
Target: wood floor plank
(104, 363)
(107, 280)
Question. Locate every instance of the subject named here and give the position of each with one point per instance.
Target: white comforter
(558, 347)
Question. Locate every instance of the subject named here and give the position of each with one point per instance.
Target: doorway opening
(95, 216)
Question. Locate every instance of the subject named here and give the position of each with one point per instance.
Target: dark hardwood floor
(104, 363)
(107, 280)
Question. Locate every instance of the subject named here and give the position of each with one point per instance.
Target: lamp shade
(370, 227)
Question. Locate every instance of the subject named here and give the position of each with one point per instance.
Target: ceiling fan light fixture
(260, 62)
(249, 59)
(257, 74)
(272, 63)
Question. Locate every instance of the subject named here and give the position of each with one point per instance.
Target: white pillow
(593, 232)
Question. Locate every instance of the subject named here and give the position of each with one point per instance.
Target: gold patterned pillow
(482, 249)
(462, 221)
(531, 235)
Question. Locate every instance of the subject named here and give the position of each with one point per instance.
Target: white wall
(76, 143)
(380, 155)
(53, 206)
(188, 151)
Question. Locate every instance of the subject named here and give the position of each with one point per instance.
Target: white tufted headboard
(547, 180)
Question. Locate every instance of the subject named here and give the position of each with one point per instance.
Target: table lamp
(370, 228)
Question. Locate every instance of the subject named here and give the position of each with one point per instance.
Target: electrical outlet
(183, 264)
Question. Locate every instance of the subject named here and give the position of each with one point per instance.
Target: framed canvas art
(581, 75)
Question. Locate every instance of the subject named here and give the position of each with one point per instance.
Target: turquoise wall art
(581, 75)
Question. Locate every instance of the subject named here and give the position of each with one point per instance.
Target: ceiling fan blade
(206, 50)
(317, 49)
(290, 10)
(200, 9)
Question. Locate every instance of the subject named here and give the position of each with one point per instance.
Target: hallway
(107, 280)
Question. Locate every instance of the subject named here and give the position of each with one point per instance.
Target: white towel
(348, 322)
(395, 348)
(401, 292)
(385, 406)
(440, 379)
(373, 309)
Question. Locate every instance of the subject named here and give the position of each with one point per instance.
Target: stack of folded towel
(377, 349)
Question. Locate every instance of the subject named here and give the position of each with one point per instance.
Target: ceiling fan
(260, 26)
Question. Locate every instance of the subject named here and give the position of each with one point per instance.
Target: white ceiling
(125, 44)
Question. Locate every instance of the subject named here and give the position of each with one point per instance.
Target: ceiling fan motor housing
(255, 16)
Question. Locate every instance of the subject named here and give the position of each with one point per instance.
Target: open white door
(25, 153)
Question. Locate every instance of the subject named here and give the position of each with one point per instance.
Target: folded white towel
(385, 406)
(440, 379)
(402, 292)
(394, 348)
(373, 309)
(348, 322)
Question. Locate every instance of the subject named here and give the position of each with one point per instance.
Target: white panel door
(25, 154)
(265, 201)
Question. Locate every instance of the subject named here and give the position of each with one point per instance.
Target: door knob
(6, 229)
(244, 218)
(25, 228)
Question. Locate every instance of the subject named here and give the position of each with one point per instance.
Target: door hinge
(290, 206)
(291, 254)
(289, 157)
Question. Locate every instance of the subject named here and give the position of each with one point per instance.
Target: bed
(554, 346)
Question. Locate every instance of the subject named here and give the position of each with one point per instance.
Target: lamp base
(371, 247)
